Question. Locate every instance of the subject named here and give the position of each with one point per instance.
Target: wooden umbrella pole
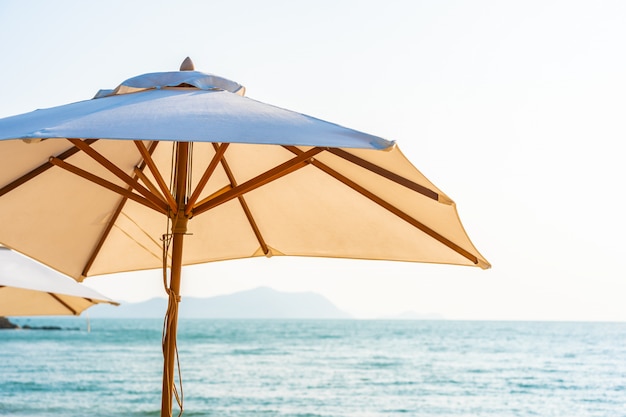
(179, 228)
(169, 352)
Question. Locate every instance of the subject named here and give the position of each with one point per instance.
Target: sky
(514, 109)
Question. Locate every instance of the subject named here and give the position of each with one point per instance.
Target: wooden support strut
(303, 159)
(244, 205)
(219, 153)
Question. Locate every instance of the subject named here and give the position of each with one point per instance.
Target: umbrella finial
(187, 65)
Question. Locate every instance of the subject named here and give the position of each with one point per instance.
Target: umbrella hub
(179, 223)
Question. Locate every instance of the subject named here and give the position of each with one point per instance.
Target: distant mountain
(259, 303)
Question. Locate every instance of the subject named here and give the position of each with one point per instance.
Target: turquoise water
(318, 368)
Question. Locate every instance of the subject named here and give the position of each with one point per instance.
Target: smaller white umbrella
(28, 288)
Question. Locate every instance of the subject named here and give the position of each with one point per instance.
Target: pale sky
(515, 109)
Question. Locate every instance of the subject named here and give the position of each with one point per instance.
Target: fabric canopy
(182, 113)
(306, 213)
(30, 289)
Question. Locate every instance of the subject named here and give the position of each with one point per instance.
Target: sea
(316, 368)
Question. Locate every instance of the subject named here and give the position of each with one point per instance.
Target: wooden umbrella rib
(63, 303)
(115, 170)
(147, 157)
(414, 222)
(273, 174)
(219, 152)
(40, 169)
(255, 227)
(162, 207)
(113, 219)
(398, 179)
(244, 206)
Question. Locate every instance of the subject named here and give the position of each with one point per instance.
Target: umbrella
(31, 289)
(121, 181)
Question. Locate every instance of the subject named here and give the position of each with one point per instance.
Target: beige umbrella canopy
(119, 182)
(31, 289)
